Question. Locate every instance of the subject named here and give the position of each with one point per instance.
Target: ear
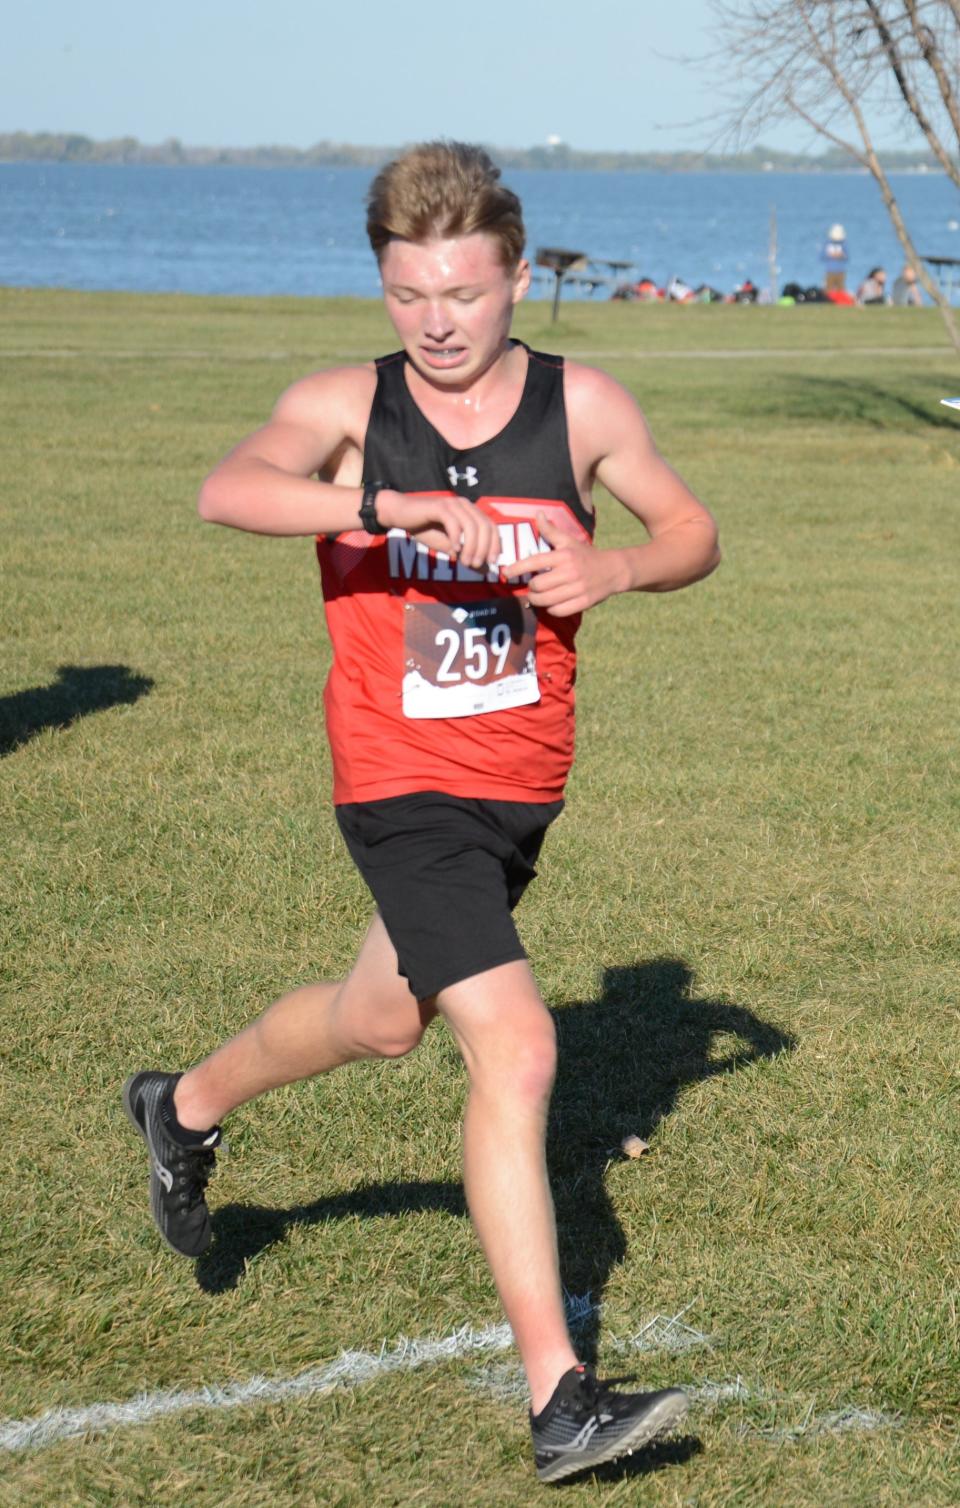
(521, 280)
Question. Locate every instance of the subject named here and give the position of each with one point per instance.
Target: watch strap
(368, 508)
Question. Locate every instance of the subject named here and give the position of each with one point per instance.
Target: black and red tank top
(445, 678)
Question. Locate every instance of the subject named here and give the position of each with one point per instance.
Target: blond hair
(441, 189)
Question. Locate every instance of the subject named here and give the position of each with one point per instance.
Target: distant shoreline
(72, 147)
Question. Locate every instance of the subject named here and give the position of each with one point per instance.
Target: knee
(379, 1028)
(395, 1045)
(524, 1066)
(539, 1062)
(393, 1039)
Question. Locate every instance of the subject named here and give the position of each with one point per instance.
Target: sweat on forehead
(452, 259)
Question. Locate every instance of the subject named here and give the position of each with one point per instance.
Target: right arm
(269, 483)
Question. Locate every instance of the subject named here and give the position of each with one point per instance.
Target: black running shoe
(178, 1174)
(586, 1423)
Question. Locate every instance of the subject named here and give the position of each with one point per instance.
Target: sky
(596, 73)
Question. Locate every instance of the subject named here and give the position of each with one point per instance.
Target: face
(451, 303)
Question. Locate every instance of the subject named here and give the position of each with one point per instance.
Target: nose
(437, 323)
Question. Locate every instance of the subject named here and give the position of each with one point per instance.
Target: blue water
(300, 231)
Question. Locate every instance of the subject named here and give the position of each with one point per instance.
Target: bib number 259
(470, 658)
(472, 653)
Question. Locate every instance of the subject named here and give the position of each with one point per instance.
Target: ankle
(543, 1381)
(187, 1110)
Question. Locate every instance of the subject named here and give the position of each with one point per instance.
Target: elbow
(714, 554)
(706, 566)
(709, 559)
(210, 500)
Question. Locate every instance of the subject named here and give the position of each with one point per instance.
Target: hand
(571, 576)
(449, 524)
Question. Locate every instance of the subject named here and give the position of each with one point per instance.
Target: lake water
(300, 231)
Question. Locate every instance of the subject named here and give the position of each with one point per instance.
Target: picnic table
(572, 267)
(944, 270)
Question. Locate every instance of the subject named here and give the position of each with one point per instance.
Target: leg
(507, 1039)
(371, 1014)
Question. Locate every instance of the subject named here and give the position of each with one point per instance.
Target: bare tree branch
(827, 134)
(930, 53)
(910, 97)
(827, 62)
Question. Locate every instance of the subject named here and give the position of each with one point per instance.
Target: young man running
(450, 490)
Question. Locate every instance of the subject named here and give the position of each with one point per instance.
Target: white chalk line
(505, 1380)
(662, 1333)
(349, 1369)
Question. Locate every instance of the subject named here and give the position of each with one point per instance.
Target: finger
(546, 590)
(494, 543)
(565, 609)
(554, 534)
(548, 596)
(456, 525)
(531, 565)
(561, 604)
(432, 538)
(470, 553)
(474, 532)
(485, 539)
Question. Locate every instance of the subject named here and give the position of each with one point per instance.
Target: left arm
(611, 441)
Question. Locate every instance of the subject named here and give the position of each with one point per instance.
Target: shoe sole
(665, 1415)
(154, 1198)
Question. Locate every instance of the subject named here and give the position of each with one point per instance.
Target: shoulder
(314, 400)
(589, 384)
(600, 409)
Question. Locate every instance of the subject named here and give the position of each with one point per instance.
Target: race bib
(470, 658)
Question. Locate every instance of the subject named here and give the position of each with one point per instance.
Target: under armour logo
(469, 475)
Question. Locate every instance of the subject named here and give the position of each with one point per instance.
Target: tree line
(71, 146)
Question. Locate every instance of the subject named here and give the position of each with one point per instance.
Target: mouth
(443, 356)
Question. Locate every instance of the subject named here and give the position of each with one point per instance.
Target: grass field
(746, 920)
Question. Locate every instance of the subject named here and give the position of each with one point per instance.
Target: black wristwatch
(368, 508)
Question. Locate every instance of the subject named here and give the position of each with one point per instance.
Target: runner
(450, 489)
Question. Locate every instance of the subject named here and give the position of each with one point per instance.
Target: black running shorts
(446, 872)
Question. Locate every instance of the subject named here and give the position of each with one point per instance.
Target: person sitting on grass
(449, 485)
(906, 293)
(873, 289)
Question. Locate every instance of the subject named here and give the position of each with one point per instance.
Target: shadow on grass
(242, 1231)
(624, 1060)
(656, 1456)
(849, 400)
(77, 691)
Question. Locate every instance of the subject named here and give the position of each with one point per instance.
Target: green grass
(747, 920)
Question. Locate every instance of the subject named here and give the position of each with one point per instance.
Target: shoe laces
(191, 1169)
(600, 1396)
